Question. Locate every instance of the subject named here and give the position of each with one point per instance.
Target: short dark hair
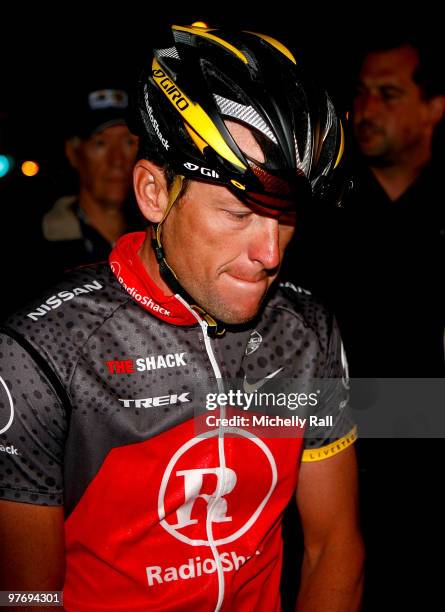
(428, 75)
(146, 151)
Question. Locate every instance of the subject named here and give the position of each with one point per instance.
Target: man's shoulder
(83, 297)
(296, 302)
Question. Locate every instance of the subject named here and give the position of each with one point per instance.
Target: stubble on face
(225, 256)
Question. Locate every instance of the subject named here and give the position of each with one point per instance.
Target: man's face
(225, 255)
(105, 162)
(390, 116)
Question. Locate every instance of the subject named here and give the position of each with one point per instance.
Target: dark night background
(48, 54)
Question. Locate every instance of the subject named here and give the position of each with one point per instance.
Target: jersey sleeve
(32, 429)
(332, 429)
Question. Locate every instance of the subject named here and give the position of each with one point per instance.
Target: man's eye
(391, 94)
(238, 216)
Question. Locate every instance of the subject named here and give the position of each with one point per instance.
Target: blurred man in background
(385, 243)
(386, 238)
(81, 229)
(395, 217)
(391, 309)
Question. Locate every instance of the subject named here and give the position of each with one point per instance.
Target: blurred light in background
(6, 165)
(30, 168)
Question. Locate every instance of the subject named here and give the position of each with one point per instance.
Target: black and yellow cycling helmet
(205, 76)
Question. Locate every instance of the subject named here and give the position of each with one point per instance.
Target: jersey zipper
(213, 505)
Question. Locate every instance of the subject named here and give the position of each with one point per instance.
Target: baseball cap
(98, 109)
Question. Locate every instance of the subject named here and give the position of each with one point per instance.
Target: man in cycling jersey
(109, 490)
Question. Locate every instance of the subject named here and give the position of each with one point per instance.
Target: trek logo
(203, 171)
(154, 122)
(11, 450)
(155, 402)
(213, 495)
(55, 301)
(4, 426)
(195, 567)
(162, 80)
(145, 364)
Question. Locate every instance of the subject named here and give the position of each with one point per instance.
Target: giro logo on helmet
(170, 88)
(203, 171)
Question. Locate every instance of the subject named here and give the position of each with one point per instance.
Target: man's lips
(247, 280)
(368, 130)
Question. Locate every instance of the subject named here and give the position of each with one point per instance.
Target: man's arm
(33, 424)
(332, 572)
(32, 546)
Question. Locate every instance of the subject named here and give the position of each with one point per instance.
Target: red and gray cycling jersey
(99, 384)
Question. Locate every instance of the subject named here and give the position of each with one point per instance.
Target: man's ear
(150, 188)
(437, 109)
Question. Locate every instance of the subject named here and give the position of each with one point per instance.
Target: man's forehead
(245, 139)
(394, 64)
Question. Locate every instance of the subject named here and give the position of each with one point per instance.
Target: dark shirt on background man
(389, 294)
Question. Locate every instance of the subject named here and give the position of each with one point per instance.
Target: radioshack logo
(145, 300)
(10, 450)
(195, 567)
(146, 364)
(7, 417)
(63, 296)
(207, 512)
(154, 122)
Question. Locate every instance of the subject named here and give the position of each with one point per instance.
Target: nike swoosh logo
(251, 388)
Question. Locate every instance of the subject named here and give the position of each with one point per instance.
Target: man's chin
(237, 311)
(234, 319)
(230, 315)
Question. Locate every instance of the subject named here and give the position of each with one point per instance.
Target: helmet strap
(167, 273)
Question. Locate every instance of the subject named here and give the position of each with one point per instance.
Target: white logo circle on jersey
(217, 505)
(11, 407)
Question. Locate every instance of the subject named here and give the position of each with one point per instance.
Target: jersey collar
(129, 270)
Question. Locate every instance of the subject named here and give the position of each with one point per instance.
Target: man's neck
(151, 265)
(109, 221)
(397, 177)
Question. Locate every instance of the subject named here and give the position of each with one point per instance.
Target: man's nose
(265, 244)
(116, 155)
(367, 105)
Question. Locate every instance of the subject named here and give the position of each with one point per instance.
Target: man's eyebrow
(361, 85)
(391, 87)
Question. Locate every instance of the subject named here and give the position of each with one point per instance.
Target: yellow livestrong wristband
(324, 452)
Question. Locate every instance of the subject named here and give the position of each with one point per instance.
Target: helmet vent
(170, 52)
(329, 119)
(182, 37)
(243, 113)
(304, 164)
